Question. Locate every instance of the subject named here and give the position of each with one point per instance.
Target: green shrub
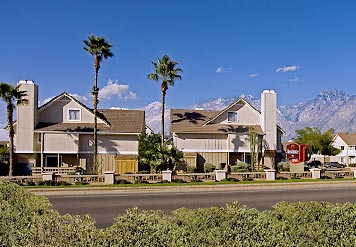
(140, 182)
(240, 167)
(230, 180)
(139, 228)
(191, 169)
(30, 183)
(52, 183)
(81, 183)
(122, 181)
(208, 167)
(62, 183)
(283, 166)
(28, 220)
(179, 181)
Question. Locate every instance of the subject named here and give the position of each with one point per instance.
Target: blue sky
(225, 48)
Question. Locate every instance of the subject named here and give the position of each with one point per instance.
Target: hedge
(28, 220)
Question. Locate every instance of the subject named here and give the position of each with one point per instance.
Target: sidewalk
(94, 190)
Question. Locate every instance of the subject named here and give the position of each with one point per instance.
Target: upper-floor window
(232, 116)
(74, 115)
(342, 147)
(352, 147)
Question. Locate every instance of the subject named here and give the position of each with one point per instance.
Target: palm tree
(166, 71)
(99, 48)
(12, 97)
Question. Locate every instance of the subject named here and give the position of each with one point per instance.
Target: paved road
(105, 205)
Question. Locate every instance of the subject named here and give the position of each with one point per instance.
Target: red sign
(296, 153)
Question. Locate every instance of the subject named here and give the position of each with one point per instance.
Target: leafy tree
(148, 146)
(99, 48)
(167, 72)
(326, 140)
(12, 97)
(316, 141)
(155, 156)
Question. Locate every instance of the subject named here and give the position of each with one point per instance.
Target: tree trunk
(163, 104)
(11, 139)
(95, 93)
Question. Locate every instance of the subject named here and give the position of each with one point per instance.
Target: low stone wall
(184, 177)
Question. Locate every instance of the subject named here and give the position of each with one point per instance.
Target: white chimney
(27, 118)
(269, 118)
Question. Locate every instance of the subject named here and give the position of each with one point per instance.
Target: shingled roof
(119, 121)
(193, 121)
(349, 139)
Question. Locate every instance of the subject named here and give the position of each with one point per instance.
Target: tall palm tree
(166, 71)
(12, 97)
(99, 48)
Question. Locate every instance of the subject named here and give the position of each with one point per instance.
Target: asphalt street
(104, 205)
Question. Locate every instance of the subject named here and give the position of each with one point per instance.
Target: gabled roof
(239, 100)
(66, 95)
(349, 139)
(119, 121)
(194, 121)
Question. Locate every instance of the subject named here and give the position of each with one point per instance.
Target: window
(53, 161)
(232, 116)
(73, 114)
(342, 147)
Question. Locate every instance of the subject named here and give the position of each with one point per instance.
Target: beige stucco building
(221, 137)
(346, 142)
(60, 133)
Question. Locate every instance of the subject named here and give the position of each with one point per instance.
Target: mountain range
(330, 109)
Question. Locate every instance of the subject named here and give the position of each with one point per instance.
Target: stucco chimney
(27, 118)
(269, 124)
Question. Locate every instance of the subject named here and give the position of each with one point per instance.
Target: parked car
(79, 171)
(314, 164)
(334, 165)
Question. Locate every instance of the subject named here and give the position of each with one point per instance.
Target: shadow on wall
(192, 117)
(200, 163)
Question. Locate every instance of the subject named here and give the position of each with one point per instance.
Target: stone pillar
(167, 175)
(109, 177)
(270, 174)
(47, 176)
(354, 170)
(220, 175)
(315, 172)
(296, 167)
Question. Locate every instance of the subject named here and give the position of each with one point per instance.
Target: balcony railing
(56, 170)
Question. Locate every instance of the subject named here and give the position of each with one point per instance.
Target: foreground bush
(27, 220)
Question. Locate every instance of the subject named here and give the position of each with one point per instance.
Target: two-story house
(60, 134)
(222, 137)
(347, 144)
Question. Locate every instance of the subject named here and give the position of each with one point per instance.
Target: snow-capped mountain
(153, 115)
